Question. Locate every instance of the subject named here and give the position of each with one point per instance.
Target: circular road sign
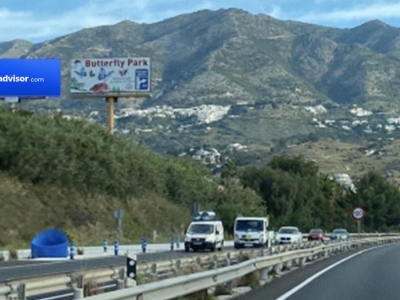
(118, 213)
(358, 213)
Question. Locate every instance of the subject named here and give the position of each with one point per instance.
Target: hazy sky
(39, 20)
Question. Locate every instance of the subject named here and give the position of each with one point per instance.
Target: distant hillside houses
(344, 180)
(205, 113)
(368, 126)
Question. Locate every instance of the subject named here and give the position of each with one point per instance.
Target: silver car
(340, 234)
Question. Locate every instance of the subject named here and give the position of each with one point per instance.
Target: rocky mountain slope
(246, 86)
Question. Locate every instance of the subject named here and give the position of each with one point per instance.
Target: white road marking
(315, 276)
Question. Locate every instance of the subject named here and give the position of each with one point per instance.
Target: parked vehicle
(316, 235)
(340, 234)
(288, 234)
(204, 233)
(251, 232)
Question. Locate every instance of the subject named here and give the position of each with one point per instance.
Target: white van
(204, 233)
(251, 232)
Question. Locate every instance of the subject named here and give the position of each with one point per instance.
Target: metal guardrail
(156, 270)
(172, 268)
(83, 284)
(150, 271)
(185, 285)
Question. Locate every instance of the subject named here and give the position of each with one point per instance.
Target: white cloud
(358, 13)
(275, 12)
(36, 27)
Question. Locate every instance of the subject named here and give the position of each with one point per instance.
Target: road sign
(110, 77)
(358, 213)
(131, 268)
(118, 213)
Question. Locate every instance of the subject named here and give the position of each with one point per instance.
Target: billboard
(104, 77)
(30, 77)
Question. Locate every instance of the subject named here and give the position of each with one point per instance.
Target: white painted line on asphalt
(315, 276)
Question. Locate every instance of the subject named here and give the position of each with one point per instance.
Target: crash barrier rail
(82, 284)
(95, 251)
(87, 283)
(185, 285)
(151, 271)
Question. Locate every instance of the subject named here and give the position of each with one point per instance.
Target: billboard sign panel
(30, 78)
(103, 77)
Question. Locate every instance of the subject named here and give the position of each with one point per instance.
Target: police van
(204, 232)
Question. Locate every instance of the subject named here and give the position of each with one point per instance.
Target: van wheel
(213, 247)
(220, 247)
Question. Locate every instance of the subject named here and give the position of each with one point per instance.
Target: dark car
(316, 235)
(340, 234)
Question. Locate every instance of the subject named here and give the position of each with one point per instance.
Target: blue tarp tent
(50, 243)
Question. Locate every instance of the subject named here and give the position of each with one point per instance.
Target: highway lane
(28, 269)
(371, 274)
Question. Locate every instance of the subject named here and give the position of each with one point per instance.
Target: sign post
(110, 78)
(358, 213)
(110, 114)
(118, 214)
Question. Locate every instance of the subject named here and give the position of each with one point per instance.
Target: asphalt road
(14, 270)
(371, 275)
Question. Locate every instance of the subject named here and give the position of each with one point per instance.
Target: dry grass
(334, 156)
(27, 210)
(90, 288)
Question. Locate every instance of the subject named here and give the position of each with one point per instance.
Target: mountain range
(228, 83)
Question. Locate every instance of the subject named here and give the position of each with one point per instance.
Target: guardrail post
(116, 247)
(300, 262)
(228, 285)
(105, 242)
(121, 279)
(279, 268)
(214, 262)
(153, 270)
(264, 274)
(228, 259)
(177, 266)
(196, 265)
(21, 291)
(79, 289)
(326, 251)
(72, 251)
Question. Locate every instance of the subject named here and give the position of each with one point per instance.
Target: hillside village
(361, 121)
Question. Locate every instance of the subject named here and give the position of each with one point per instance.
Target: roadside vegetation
(297, 193)
(71, 175)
